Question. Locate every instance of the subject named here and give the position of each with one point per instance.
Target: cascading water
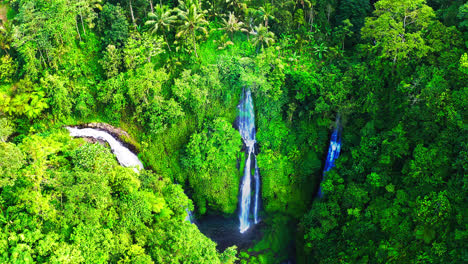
(124, 156)
(257, 191)
(333, 152)
(189, 216)
(246, 122)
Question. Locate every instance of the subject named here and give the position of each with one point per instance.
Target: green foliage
(7, 69)
(140, 49)
(211, 161)
(6, 129)
(45, 33)
(355, 12)
(87, 208)
(398, 28)
(232, 25)
(57, 91)
(276, 243)
(27, 100)
(396, 77)
(113, 25)
(262, 37)
(192, 20)
(111, 61)
(161, 20)
(180, 244)
(198, 93)
(12, 159)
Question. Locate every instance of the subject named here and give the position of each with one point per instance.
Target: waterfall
(257, 191)
(124, 156)
(246, 123)
(189, 216)
(333, 152)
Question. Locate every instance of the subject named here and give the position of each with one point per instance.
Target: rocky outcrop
(115, 131)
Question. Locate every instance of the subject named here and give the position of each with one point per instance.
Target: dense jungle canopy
(171, 73)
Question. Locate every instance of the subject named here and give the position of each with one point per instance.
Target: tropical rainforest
(171, 74)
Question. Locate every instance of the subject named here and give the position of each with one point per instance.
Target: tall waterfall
(333, 152)
(246, 122)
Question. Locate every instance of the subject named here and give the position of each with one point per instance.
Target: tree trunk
(167, 43)
(77, 29)
(194, 44)
(131, 13)
(311, 17)
(151, 6)
(82, 24)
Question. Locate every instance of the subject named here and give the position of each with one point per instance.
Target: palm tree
(236, 5)
(266, 12)
(224, 42)
(192, 20)
(161, 20)
(232, 25)
(261, 36)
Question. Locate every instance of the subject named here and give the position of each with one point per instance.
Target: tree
(140, 49)
(111, 61)
(7, 69)
(161, 21)
(267, 12)
(211, 161)
(113, 25)
(27, 100)
(44, 34)
(261, 37)
(11, 161)
(6, 36)
(146, 84)
(232, 25)
(355, 11)
(192, 18)
(57, 90)
(86, 12)
(6, 129)
(196, 92)
(181, 243)
(398, 28)
(463, 15)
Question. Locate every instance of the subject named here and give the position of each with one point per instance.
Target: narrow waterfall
(189, 216)
(333, 152)
(257, 192)
(124, 156)
(246, 123)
